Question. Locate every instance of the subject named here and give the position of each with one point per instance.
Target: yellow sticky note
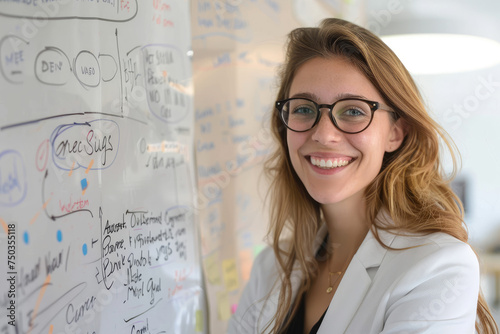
(245, 264)
(212, 267)
(230, 274)
(199, 321)
(223, 307)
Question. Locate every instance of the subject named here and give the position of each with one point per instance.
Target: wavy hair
(411, 185)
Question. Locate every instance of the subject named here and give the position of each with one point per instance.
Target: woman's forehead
(329, 79)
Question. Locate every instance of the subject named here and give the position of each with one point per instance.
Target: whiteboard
(97, 169)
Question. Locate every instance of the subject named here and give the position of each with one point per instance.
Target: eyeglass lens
(350, 115)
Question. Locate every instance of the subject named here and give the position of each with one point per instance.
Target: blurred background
(452, 48)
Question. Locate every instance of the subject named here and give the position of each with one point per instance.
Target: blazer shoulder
(427, 283)
(436, 252)
(429, 242)
(264, 273)
(265, 263)
(253, 312)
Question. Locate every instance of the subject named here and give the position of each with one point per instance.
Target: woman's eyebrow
(306, 95)
(315, 98)
(348, 96)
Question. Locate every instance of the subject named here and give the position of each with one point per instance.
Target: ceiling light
(444, 53)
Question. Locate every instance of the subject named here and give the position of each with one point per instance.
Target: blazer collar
(355, 282)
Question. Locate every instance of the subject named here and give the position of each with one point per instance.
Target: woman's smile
(326, 164)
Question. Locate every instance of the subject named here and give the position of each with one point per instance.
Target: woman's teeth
(327, 163)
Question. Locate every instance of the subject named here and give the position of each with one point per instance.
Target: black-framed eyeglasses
(349, 115)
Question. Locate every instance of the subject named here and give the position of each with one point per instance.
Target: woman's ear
(396, 136)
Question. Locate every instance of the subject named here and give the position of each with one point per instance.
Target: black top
(297, 324)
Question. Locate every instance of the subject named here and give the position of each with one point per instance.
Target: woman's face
(359, 155)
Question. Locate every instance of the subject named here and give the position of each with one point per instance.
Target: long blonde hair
(411, 184)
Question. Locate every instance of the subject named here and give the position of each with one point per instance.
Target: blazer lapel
(355, 284)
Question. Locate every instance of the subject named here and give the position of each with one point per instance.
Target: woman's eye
(303, 111)
(353, 112)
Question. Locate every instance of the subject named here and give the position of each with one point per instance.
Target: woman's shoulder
(264, 262)
(264, 271)
(424, 243)
(435, 252)
(253, 312)
(410, 244)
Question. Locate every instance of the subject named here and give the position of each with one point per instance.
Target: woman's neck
(347, 223)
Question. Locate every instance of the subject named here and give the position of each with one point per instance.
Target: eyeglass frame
(374, 106)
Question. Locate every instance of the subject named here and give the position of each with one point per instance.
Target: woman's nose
(325, 131)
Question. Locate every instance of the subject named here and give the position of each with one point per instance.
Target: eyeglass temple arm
(382, 106)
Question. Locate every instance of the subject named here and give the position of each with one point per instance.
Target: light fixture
(430, 53)
(439, 37)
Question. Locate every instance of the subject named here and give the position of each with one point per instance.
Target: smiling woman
(368, 236)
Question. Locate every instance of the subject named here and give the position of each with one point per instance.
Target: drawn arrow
(54, 217)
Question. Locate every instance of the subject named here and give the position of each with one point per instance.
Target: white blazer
(432, 288)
